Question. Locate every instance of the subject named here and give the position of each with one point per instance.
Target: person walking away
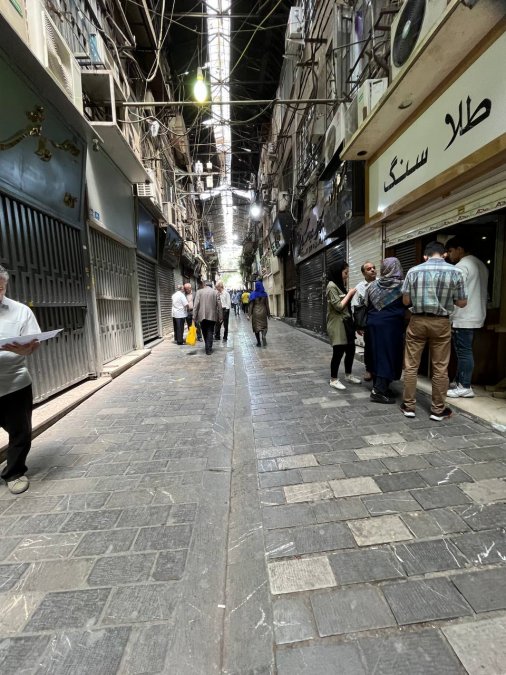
(245, 301)
(340, 327)
(189, 316)
(259, 313)
(16, 398)
(368, 270)
(179, 313)
(466, 320)
(207, 310)
(385, 323)
(432, 289)
(237, 307)
(225, 305)
(233, 301)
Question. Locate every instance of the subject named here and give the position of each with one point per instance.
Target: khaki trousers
(435, 331)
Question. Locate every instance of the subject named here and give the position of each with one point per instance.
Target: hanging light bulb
(209, 166)
(255, 211)
(200, 87)
(199, 168)
(209, 182)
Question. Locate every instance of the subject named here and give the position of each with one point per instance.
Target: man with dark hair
(465, 321)
(432, 290)
(368, 270)
(16, 400)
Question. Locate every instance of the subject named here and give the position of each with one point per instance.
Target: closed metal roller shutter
(312, 292)
(112, 271)
(332, 255)
(365, 244)
(146, 272)
(407, 254)
(44, 257)
(167, 288)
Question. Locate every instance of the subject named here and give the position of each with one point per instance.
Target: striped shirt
(434, 286)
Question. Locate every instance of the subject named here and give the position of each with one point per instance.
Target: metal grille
(311, 285)
(167, 289)
(407, 254)
(44, 259)
(112, 271)
(146, 273)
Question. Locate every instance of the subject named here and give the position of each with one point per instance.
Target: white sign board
(467, 116)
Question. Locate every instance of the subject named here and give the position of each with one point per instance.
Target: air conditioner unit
(50, 48)
(169, 213)
(335, 135)
(318, 126)
(151, 190)
(294, 31)
(283, 201)
(409, 28)
(369, 93)
(100, 56)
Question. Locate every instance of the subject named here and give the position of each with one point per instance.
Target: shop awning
(173, 247)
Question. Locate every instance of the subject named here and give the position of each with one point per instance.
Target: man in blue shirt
(432, 289)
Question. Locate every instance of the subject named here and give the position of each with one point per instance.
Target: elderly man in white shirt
(179, 312)
(368, 270)
(226, 304)
(16, 398)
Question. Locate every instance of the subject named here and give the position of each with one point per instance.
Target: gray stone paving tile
(439, 497)
(17, 607)
(91, 520)
(7, 525)
(368, 467)
(18, 654)
(291, 576)
(384, 439)
(163, 537)
(113, 469)
(445, 476)
(354, 567)
(414, 448)
(351, 487)
(29, 505)
(264, 465)
(45, 547)
(293, 620)
(487, 438)
(56, 575)
(311, 538)
(485, 470)
(182, 513)
(105, 542)
(379, 530)
(450, 458)
(113, 483)
(480, 645)
(82, 502)
(350, 610)
(10, 575)
(336, 457)
(143, 516)
(74, 486)
(68, 609)
(425, 600)
(422, 557)
(280, 478)
(170, 565)
(339, 509)
(486, 491)
(483, 517)
(288, 515)
(321, 473)
(483, 548)
(400, 481)
(376, 452)
(485, 590)
(7, 545)
(421, 653)
(39, 523)
(146, 649)
(272, 497)
(141, 603)
(495, 452)
(307, 492)
(328, 659)
(121, 569)
(130, 498)
(390, 502)
(405, 463)
(434, 523)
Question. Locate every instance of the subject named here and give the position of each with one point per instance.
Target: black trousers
(338, 351)
(368, 356)
(381, 385)
(16, 419)
(207, 333)
(178, 329)
(224, 323)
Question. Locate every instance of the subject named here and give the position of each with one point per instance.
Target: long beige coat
(259, 312)
(336, 315)
(207, 305)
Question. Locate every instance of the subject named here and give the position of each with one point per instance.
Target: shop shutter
(407, 253)
(112, 265)
(146, 273)
(364, 244)
(312, 293)
(167, 289)
(335, 253)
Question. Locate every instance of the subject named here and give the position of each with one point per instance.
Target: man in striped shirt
(432, 289)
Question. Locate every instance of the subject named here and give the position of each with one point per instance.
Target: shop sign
(467, 116)
(311, 235)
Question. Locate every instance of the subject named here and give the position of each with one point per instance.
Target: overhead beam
(265, 101)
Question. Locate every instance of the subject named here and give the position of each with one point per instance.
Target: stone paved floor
(233, 514)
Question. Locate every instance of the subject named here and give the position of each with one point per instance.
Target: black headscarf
(335, 274)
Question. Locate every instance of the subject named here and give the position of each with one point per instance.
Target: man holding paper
(16, 399)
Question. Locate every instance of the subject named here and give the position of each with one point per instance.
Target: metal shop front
(148, 296)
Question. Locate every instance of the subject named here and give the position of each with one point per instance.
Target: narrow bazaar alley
(233, 514)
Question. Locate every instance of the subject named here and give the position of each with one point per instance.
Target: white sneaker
(336, 384)
(460, 392)
(351, 378)
(18, 485)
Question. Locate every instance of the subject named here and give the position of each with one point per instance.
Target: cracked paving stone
(121, 569)
(290, 576)
(421, 557)
(438, 497)
(18, 654)
(320, 660)
(444, 476)
(483, 517)
(379, 530)
(307, 492)
(486, 491)
(105, 542)
(384, 439)
(400, 481)
(434, 523)
(483, 548)
(308, 539)
(390, 502)
(485, 590)
(141, 603)
(480, 645)
(11, 574)
(485, 470)
(339, 509)
(289, 515)
(354, 567)
(425, 600)
(293, 620)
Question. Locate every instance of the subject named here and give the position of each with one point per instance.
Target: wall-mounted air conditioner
(294, 31)
(318, 126)
(101, 57)
(50, 48)
(151, 190)
(335, 135)
(283, 200)
(169, 213)
(409, 28)
(369, 93)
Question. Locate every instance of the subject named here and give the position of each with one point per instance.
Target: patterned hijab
(388, 287)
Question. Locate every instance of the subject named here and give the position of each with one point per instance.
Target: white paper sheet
(25, 339)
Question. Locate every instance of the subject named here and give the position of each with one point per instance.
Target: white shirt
(226, 302)
(179, 305)
(476, 281)
(358, 298)
(16, 319)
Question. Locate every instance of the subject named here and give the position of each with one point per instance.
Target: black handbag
(360, 317)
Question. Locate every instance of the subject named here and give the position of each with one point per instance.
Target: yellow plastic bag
(191, 338)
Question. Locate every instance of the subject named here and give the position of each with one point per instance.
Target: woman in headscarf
(385, 325)
(259, 313)
(340, 327)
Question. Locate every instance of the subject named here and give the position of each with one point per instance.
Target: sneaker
(376, 397)
(351, 378)
(407, 412)
(460, 392)
(438, 417)
(18, 485)
(336, 384)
